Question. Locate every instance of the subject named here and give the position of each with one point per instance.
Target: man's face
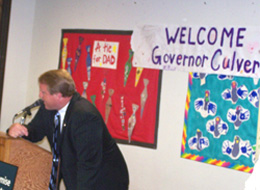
(50, 100)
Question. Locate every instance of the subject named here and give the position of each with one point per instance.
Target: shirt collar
(62, 113)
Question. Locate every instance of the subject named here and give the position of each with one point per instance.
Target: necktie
(55, 153)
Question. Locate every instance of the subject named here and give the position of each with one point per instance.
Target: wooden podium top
(34, 163)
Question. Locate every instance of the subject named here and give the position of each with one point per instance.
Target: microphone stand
(23, 118)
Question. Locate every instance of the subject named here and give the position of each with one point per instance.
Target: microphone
(28, 108)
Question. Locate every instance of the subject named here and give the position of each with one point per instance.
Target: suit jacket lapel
(66, 119)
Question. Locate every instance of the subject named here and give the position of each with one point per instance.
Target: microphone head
(37, 103)
(28, 108)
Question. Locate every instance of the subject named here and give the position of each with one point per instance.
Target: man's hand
(17, 130)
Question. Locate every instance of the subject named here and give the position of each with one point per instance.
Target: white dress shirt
(62, 113)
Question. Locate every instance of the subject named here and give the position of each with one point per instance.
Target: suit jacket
(90, 158)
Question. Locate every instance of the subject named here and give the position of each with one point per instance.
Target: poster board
(100, 62)
(226, 112)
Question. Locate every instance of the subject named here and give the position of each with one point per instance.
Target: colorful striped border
(201, 158)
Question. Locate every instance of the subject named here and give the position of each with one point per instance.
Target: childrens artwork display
(100, 62)
(221, 116)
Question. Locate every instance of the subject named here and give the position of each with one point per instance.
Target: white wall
(17, 60)
(40, 23)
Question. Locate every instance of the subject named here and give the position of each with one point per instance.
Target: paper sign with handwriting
(105, 54)
(206, 49)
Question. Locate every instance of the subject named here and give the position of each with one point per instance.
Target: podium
(33, 162)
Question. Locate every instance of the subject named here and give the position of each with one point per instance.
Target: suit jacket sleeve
(40, 125)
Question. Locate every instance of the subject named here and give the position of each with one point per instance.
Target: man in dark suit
(89, 158)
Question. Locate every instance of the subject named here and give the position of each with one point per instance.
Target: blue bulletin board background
(233, 146)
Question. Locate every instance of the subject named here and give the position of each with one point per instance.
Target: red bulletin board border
(124, 101)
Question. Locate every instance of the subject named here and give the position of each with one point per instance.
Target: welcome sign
(204, 49)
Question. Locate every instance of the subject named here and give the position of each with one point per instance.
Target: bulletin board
(225, 109)
(100, 62)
